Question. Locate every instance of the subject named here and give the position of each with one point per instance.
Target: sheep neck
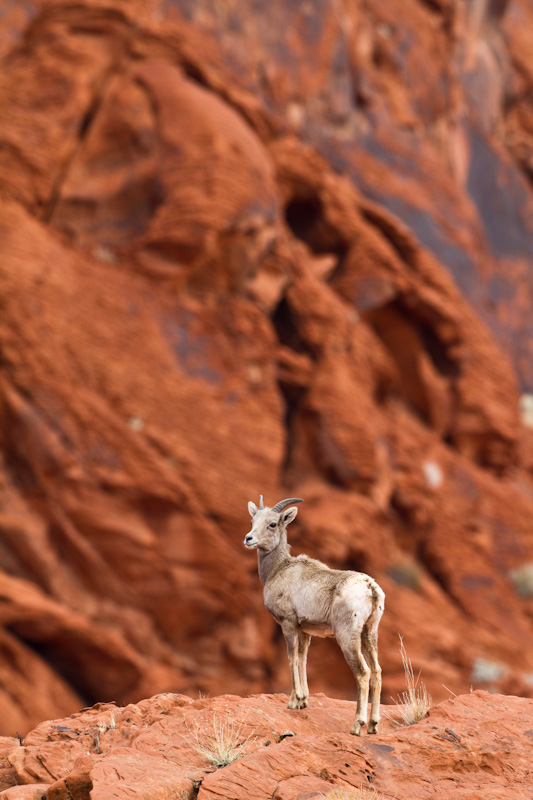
(269, 563)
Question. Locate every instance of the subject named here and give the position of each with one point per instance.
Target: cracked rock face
(282, 251)
(475, 745)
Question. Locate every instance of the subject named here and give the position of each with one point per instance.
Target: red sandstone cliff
(283, 249)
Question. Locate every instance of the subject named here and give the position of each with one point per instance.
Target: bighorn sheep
(307, 598)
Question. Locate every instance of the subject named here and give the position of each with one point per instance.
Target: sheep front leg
(303, 646)
(290, 632)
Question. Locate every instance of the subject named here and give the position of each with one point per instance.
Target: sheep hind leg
(291, 638)
(354, 657)
(370, 650)
(303, 646)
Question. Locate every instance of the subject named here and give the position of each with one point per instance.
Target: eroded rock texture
(282, 249)
(475, 745)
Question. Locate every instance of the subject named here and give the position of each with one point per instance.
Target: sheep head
(269, 523)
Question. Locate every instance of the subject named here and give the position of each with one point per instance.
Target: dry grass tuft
(223, 743)
(415, 702)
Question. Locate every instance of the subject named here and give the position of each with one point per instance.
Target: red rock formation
(284, 252)
(476, 745)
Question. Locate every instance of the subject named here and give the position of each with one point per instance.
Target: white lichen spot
(295, 115)
(136, 423)
(486, 671)
(255, 374)
(522, 579)
(526, 409)
(432, 474)
(384, 30)
(104, 254)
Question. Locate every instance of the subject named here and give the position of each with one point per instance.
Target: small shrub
(106, 725)
(223, 743)
(416, 701)
(406, 573)
(522, 580)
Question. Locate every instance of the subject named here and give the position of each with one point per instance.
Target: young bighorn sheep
(307, 598)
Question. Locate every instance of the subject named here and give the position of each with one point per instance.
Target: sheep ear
(290, 514)
(252, 508)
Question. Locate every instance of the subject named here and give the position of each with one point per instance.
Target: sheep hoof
(297, 702)
(357, 728)
(373, 726)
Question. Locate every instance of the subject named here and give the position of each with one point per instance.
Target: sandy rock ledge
(472, 747)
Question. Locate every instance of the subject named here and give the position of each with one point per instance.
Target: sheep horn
(261, 502)
(284, 503)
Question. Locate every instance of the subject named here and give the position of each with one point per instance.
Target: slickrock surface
(280, 248)
(471, 747)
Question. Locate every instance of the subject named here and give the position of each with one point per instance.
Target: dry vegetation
(223, 743)
(414, 703)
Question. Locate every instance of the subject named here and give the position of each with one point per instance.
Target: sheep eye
(272, 525)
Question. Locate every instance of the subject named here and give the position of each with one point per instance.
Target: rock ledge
(474, 746)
